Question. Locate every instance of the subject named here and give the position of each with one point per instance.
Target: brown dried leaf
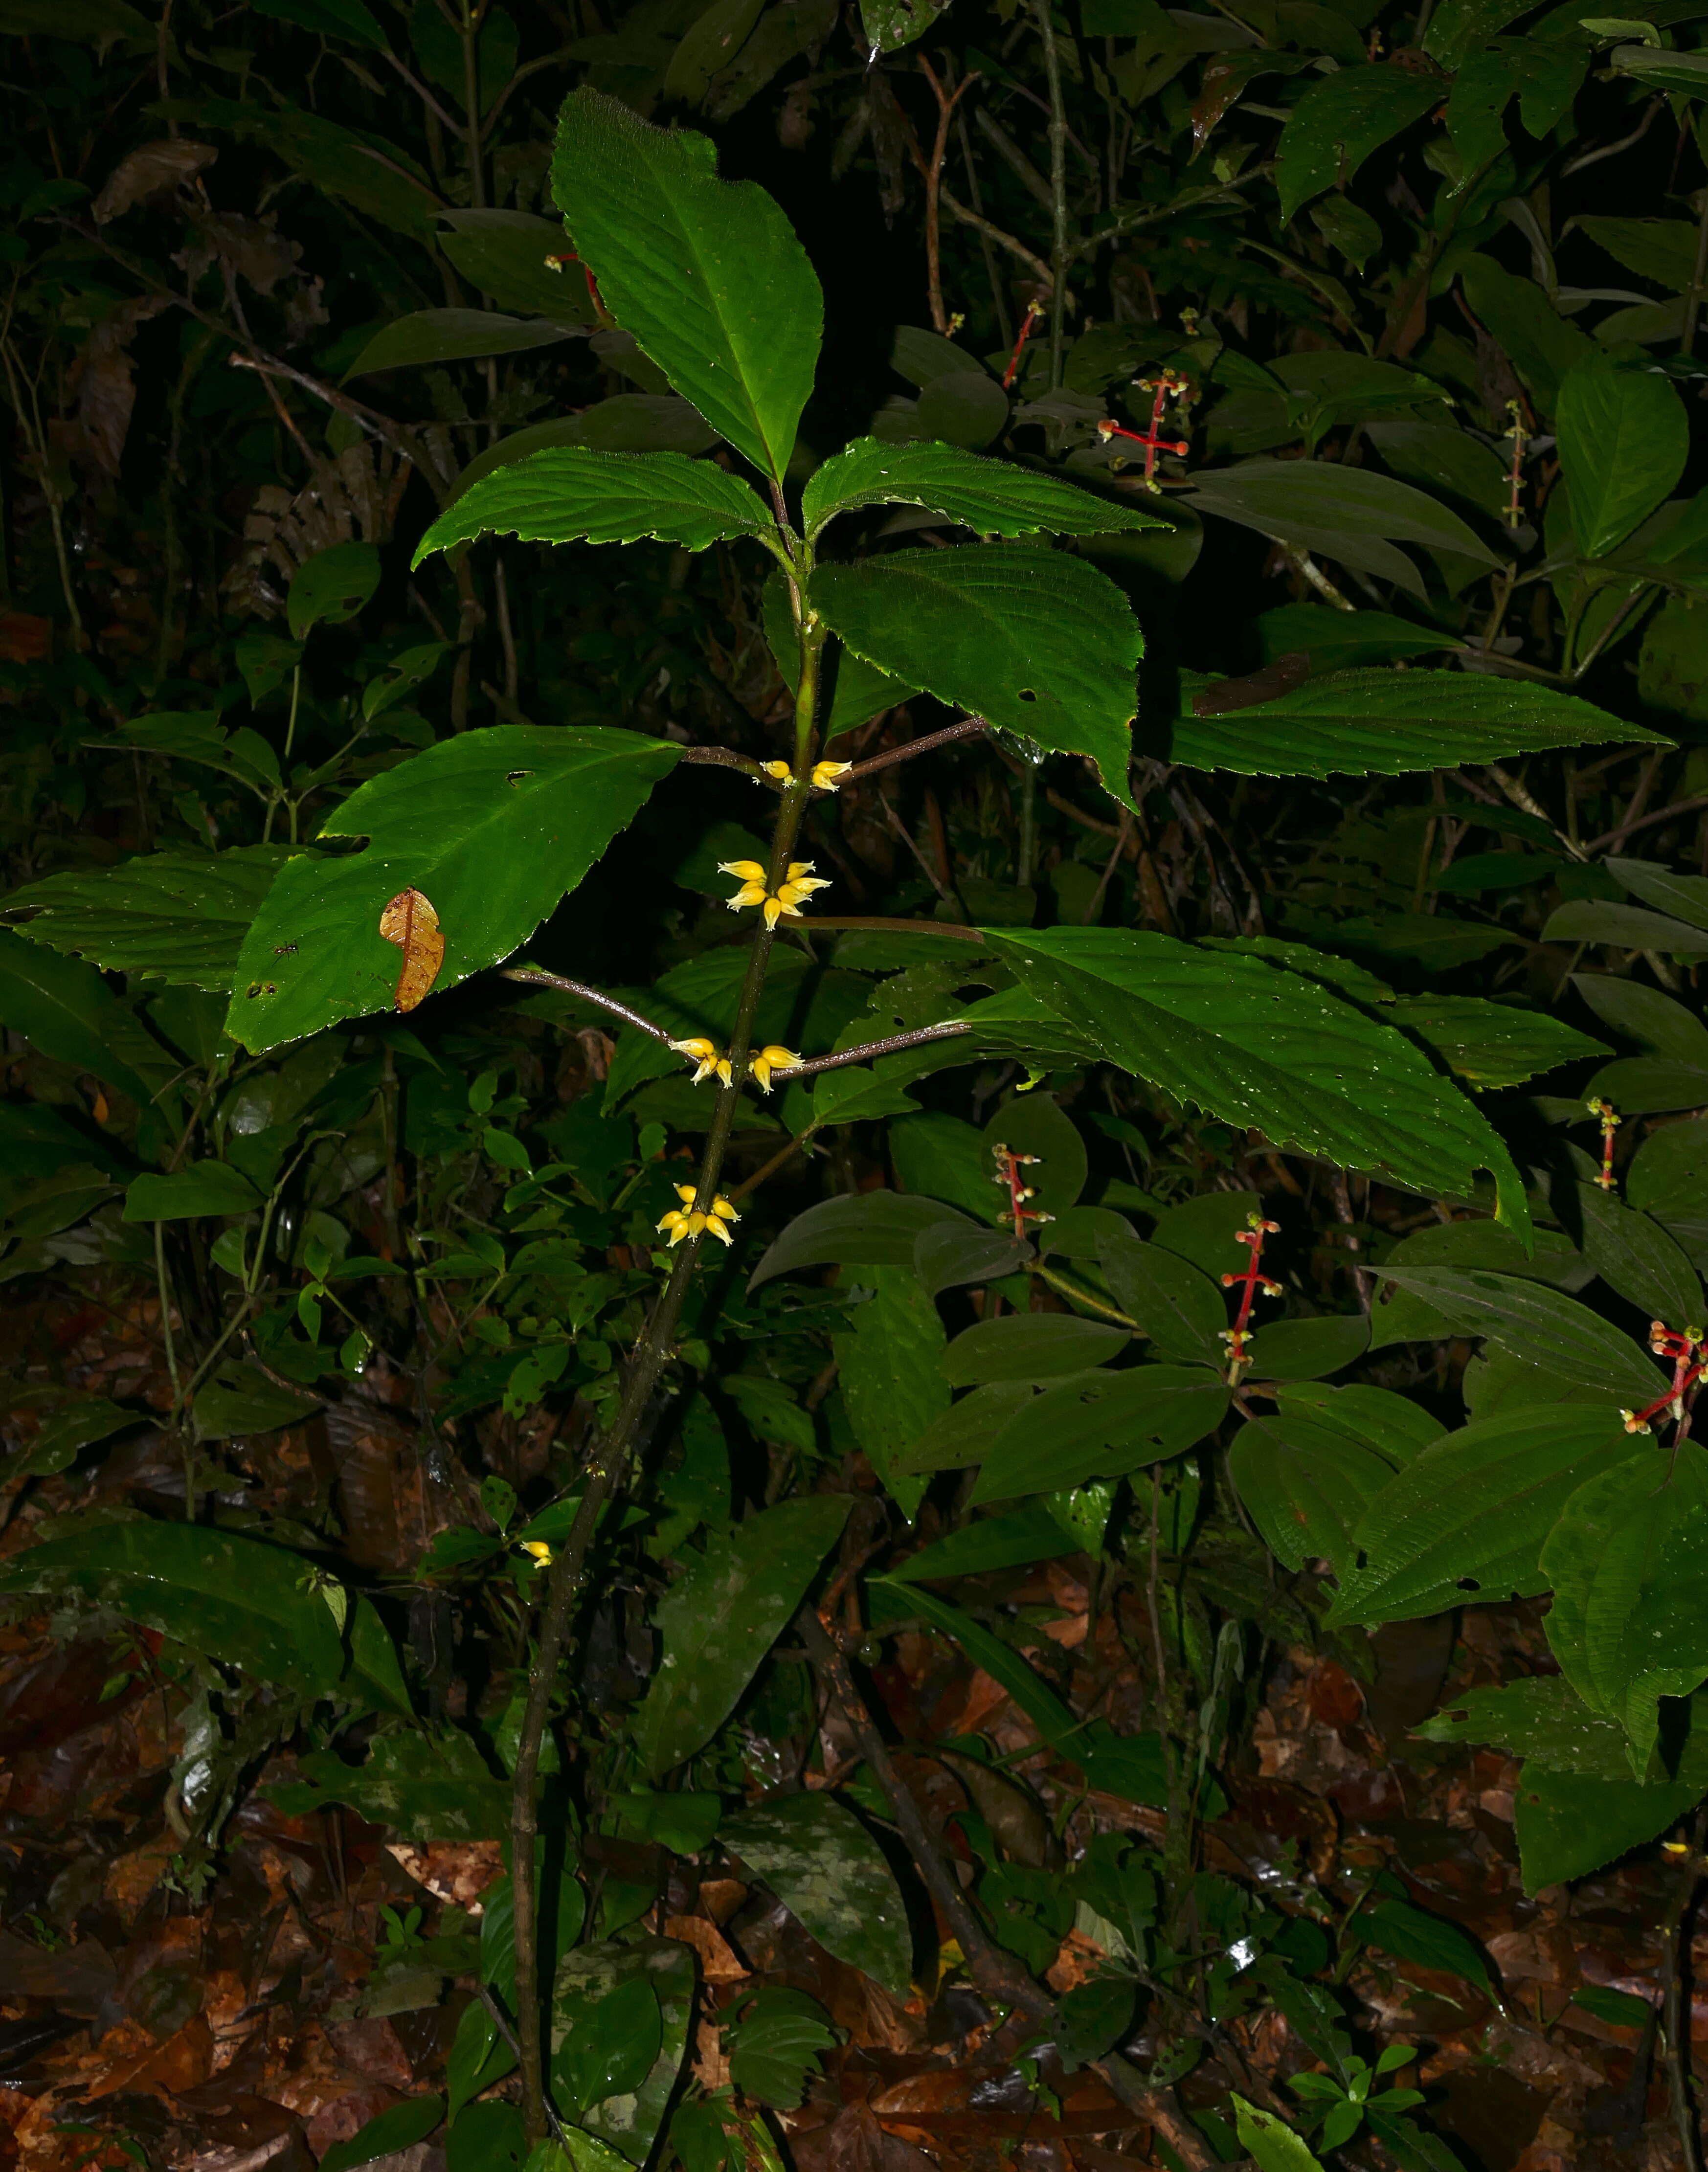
(147, 171)
(411, 922)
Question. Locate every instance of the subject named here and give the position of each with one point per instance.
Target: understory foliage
(873, 801)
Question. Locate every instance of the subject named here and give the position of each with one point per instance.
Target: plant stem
(1693, 300)
(606, 1463)
(1058, 192)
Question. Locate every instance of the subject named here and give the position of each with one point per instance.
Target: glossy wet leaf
(424, 1787)
(330, 586)
(1177, 1305)
(68, 1012)
(175, 915)
(1304, 1485)
(828, 1871)
(1490, 1045)
(572, 493)
(1036, 1346)
(627, 2121)
(1541, 1326)
(205, 1187)
(867, 1228)
(433, 336)
(891, 1375)
(1466, 1522)
(1623, 440)
(990, 496)
(1100, 1424)
(706, 274)
(1254, 1044)
(391, 2132)
(1339, 122)
(1030, 637)
(495, 826)
(718, 1620)
(479, 2058)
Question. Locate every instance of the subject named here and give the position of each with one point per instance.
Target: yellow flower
(827, 774)
(800, 882)
(770, 1059)
(780, 770)
(705, 1054)
(541, 1551)
(687, 1221)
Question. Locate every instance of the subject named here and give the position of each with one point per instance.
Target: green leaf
(1458, 25)
(1024, 636)
(330, 586)
(1437, 456)
(1412, 1934)
(1661, 887)
(238, 1399)
(710, 43)
(1320, 505)
(401, 2128)
(431, 335)
(1492, 1044)
(1385, 723)
(1092, 2018)
(684, 1821)
(626, 422)
(891, 1375)
(479, 2058)
(889, 24)
(70, 1014)
(1270, 2141)
(858, 691)
(1541, 345)
(332, 18)
(1256, 1045)
(1339, 122)
(1340, 641)
(1630, 1619)
(1470, 1514)
(950, 1254)
(1001, 1661)
(1176, 1305)
(614, 2044)
(425, 1787)
(493, 827)
(1029, 1346)
(628, 2122)
(1660, 1024)
(569, 494)
(1543, 1327)
(990, 1542)
(1100, 1424)
(1305, 1485)
(232, 1598)
(828, 1871)
(1682, 74)
(1636, 1256)
(1540, 1718)
(858, 1229)
(1663, 249)
(1307, 1349)
(1628, 926)
(1567, 1827)
(84, 22)
(205, 1187)
(64, 1433)
(774, 2047)
(992, 496)
(716, 1623)
(1623, 440)
(964, 1433)
(504, 254)
(707, 275)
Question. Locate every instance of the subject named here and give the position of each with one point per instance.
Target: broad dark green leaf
(890, 1368)
(716, 1623)
(1340, 641)
(1648, 1085)
(1001, 1662)
(1568, 1828)
(178, 917)
(228, 1597)
(1489, 1043)
(858, 1229)
(627, 2122)
(1635, 1255)
(626, 422)
(1630, 1619)
(488, 2137)
(66, 1431)
(1437, 456)
(1177, 1305)
(964, 1433)
(1458, 25)
(775, 2046)
(949, 1254)
(1659, 1024)
(1542, 1326)
(205, 1187)
(331, 586)
(992, 497)
(990, 1542)
(431, 336)
(1412, 1934)
(1663, 888)
(1024, 636)
(86, 22)
(1596, 920)
(1305, 1485)
(1540, 343)
(857, 690)
(1384, 723)
(1467, 1520)
(1663, 249)
(388, 2135)
(1271, 2143)
(493, 828)
(1683, 74)
(1307, 1349)
(1339, 122)
(706, 274)
(1540, 1718)
(425, 1787)
(69, 1013)
(1668, 1173)
(479, 2058)
(1397, 1428)
(504, 254)
(332, 18)
(1100, 1424)
(238, 1399)
(1623, 440)
(613, 2048)
(1029, 1346)
(828, 1871)
(1257, 1044)
(569, 494)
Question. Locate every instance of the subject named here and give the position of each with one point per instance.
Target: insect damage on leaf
(411, 922)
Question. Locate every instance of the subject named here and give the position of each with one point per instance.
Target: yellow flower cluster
(686, 1220)
(825, 778)
(771, 1058)
(801, 881)
(704, 1053)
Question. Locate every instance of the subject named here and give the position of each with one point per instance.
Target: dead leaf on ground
(148, 171)
(181, 2062)
(411, 922)
(718, 1963)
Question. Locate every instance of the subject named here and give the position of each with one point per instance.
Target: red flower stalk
(1249, 1283)
(1008, 1168)
(1034, 310)
(1516, 479)
(1681, 1344)
(1610, 1121)
(1170, 385)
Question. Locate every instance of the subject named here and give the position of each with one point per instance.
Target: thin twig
(1646, 822)
(531, 976)
(947, 102)
(868, 1051)
(968, 728)
(1000, 235)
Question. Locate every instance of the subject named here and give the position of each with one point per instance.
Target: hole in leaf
(1468, 1583)
(516, 776)
(1027, 695)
